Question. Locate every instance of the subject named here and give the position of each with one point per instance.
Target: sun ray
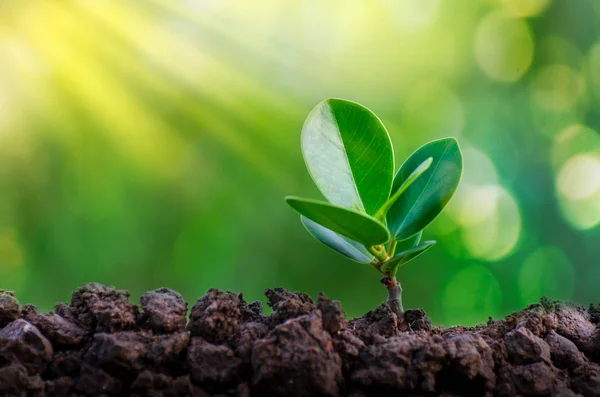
(140, 135)
(185, 81)
(133, 127)
(189, 63)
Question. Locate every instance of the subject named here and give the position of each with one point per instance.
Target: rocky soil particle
(100, 344)
(594, 312)
(164, 311)
(215, 316)
(216, 367)
(297, 356)
(376, 326)
(23, 343)
(168, 352)
(287, 305)
(334, 318)
(523, 347)
(417, 320)
(60, 331)
(103, 309)
(564, 353)
(10, 308)
(245, 336)
(121, 354)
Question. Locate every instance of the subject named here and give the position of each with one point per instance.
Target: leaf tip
(291, 201)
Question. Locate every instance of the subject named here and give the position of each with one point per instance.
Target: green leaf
(355, 225)
(428, 195)
(345, 246)
(404, 257)
(420, 170)
(349, 155)
(409, 243)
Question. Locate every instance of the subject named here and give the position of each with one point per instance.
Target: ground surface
(101, 344)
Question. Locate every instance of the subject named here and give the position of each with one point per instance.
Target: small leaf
(345, 246)
(349, 154)
(422, 202)
(409, 243)
(357, 226)
(404, 257)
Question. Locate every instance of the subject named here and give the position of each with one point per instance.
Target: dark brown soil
(101, 344)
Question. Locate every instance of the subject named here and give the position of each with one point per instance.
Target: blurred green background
(149, 144)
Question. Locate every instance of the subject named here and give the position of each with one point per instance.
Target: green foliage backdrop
(148, 144)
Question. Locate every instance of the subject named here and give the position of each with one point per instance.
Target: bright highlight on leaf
(369, 216)
(349, 155)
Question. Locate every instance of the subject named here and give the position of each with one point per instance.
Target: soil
(101, 344)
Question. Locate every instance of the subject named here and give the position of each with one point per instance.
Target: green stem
(392, 248)
(376, 265)
(380, 253)
(424, 166)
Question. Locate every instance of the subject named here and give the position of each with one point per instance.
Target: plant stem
(394, 300)
(378, 252)
(392, 248)
(376, 265)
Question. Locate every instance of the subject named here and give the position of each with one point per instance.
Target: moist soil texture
(102, 344)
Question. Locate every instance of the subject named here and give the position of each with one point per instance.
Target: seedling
(372, 216)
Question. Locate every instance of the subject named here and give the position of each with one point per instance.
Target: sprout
(372, 216)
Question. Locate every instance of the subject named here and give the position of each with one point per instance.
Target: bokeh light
(576, 160)
(578, 189)
(557, 50)
(486, 213)
(557, 88)
(573, 140)
(557, 94)
(497, 228)
(525, 8)
(485, 173)
(595, 64)
(459, 211)
(414, 14)
(473, 291)
(503, 47)
(593, 68)
(546, 272)
(434, 110)
(579, 178)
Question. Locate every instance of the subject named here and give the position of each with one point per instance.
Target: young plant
(372, 216)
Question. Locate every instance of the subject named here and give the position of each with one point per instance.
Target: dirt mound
(101, 344)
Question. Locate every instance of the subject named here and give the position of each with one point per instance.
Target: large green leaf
(404, 257)
(349, 223)
(349, 154)
(345, 246)
(429, 194)
(420, 170)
